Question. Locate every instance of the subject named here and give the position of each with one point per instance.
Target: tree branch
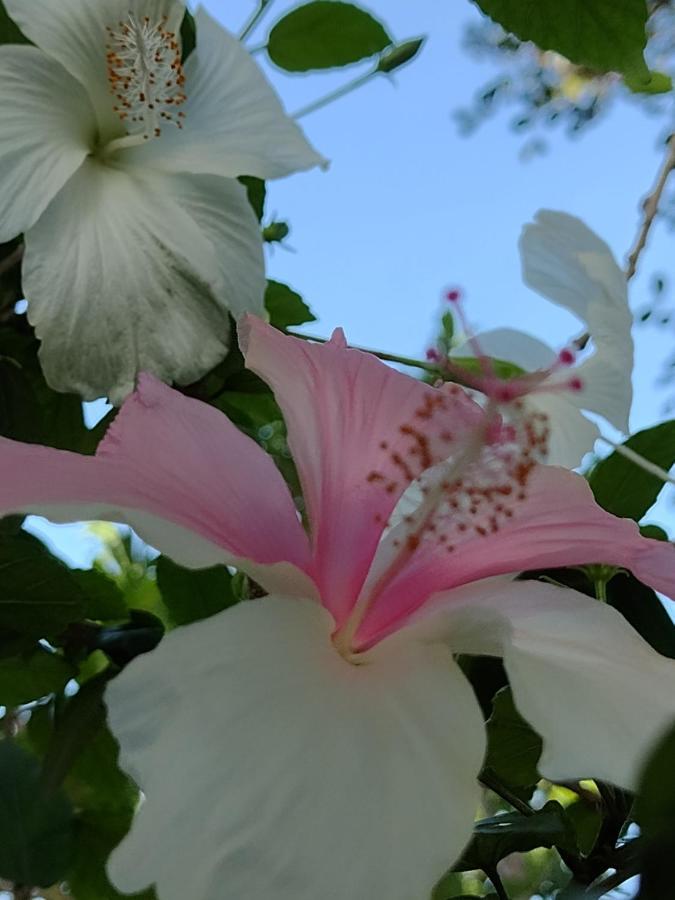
(650, 208)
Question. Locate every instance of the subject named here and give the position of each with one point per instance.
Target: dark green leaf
(622, 487)
(655, 532)
(9, 32)
(655, 814)
(35, 826)
(496, 837)
(140, 634)
(188, 34)
(103, 598)
(285, 306)
(325, 34)
(607, 35)
(98, 833)
(645, 612)
(656, 83)
(193, 594)
(29, 677)
(513, 747)
(399, 55)
(38, 594)
(586, 820)
(256, 192)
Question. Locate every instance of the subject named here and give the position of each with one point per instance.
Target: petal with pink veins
(359, 432)
(557, 524)
(598, 694)
(183, 476)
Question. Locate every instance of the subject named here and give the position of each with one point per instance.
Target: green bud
(399, 55)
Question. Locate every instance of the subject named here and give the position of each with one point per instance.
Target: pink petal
(558, 524)
(354, 427)
(166, 459)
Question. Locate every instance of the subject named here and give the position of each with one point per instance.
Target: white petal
(512, 346)
(234, 122)
(572, 434)
(271, 767)
(606, 386)
(73, 32)
(569, 264)
(47, 126)
(581, 675)
(123, 275)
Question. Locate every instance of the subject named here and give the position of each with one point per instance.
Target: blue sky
(409, 206)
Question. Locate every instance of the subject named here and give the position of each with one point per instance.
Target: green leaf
(607, 35)
(587, 821)
(645, 612)
(498, 836)
(29, 677)
(38, 594)
(624, 488)
(325, 34)
(655, 814)
(9, 32)
(513, 747)
(657, 83)
(35, 826)
(103, 598)
(256, 192)
(193, 594)
(655, 532)
(285, 306)
(188, 35)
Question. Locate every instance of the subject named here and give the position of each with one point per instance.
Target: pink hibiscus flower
(322, 741)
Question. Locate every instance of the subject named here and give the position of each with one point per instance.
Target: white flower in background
(119, 168)
(564, 261)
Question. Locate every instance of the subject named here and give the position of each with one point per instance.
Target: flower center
(145, 75)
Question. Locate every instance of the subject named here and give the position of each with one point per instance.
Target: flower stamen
(146, 76)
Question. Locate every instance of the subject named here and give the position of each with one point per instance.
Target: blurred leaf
(103, 598)
(498, 836)
(325, 34)
(98, 833)
(586, 820)
(655, 814)
(607, 35)
(36, 412)
(285, 306)
(9, 32)
(38, 594)
(513, 747)
(656, 83)
(655, 532)
(399, 55)
(622, 487)
(188, 34)
(645, 612)
(139, 635)
(256, 192)
(193, 594)
(29, 677)
(35, 826)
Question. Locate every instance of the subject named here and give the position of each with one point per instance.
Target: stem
(650, 208)
(600, 588)
(640, 461)
(497, 883)
(498, 788)
(256, 16)
(380, 354)
(334, 95)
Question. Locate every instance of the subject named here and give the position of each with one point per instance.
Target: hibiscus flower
(566, 262)
(322, 740)
(119, 166)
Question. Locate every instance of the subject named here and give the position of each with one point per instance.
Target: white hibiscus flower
(119, 167)
(566, 262)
